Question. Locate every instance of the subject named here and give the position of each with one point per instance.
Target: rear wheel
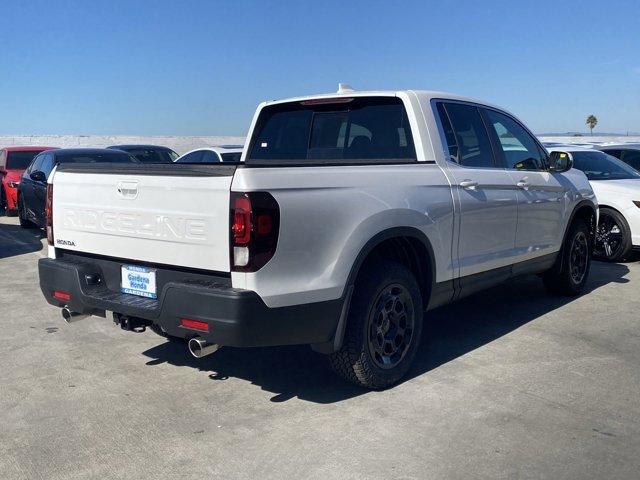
(613, 237)
(570, 274)
(383, 329)
(24, 222)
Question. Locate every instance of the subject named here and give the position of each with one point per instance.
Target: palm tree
(592, 121)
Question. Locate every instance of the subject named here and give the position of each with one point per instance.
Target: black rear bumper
(235, 317)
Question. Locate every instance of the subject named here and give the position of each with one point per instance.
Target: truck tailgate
(166, 214)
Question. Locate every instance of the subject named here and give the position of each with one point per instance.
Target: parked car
(629, 153)
(617, 188)
(13, 162)
(32, 191)
(217, 154)
(352, 214)
(148, 153)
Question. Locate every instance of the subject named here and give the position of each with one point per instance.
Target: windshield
(151, 155)
(20, 160)
(333, 131)
(600, 166)
(111, 157)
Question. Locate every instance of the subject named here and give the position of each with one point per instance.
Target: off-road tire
(356, 361)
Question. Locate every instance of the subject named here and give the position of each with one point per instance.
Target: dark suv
(629, 153)
(32, 191)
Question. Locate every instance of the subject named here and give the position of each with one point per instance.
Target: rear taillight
(48, 212)
(254, 224)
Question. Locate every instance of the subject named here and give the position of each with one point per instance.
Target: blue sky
(201, 67)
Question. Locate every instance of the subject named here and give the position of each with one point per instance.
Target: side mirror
(560, 162)
(38, 176)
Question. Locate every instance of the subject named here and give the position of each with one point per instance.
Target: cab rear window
(333, 131)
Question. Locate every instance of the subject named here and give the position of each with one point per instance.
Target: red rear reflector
(60, 295)
(194, 324)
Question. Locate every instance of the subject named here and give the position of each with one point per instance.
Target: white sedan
(617, 187)
(216, 154)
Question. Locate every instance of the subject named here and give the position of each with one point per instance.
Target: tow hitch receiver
(132, 324)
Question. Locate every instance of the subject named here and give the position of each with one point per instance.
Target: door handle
(523, 184)
(468, 184)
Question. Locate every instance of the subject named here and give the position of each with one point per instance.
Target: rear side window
(632, 158)
(20, 160)
(473, 145)
(613, 153)
(354, 130)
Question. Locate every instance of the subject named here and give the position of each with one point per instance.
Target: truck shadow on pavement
(15, 240)
(450, 332)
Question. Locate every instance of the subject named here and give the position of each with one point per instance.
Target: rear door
(27, 186)
(542, 196)
(168, 214)
(486, 194)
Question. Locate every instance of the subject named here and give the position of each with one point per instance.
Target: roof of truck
(427, 94)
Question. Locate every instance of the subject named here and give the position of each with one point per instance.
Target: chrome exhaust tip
(70, 316)
(198, 347)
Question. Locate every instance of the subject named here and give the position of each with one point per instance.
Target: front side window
(47, 164)
(344, 130)
(517, 147)
(473, 145)
(36, 163)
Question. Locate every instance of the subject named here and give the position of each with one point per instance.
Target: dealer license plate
(139, 281)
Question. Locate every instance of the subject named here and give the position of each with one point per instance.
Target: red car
(13, 162)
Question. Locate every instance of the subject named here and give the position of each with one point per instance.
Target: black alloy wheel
(391, 326)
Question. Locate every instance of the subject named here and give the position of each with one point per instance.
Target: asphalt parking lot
(510, 383)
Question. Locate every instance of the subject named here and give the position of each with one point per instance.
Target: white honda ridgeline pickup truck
(349, 216)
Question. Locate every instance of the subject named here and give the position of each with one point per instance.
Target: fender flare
(395, 232)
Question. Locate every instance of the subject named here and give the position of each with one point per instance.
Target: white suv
(349, 217)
